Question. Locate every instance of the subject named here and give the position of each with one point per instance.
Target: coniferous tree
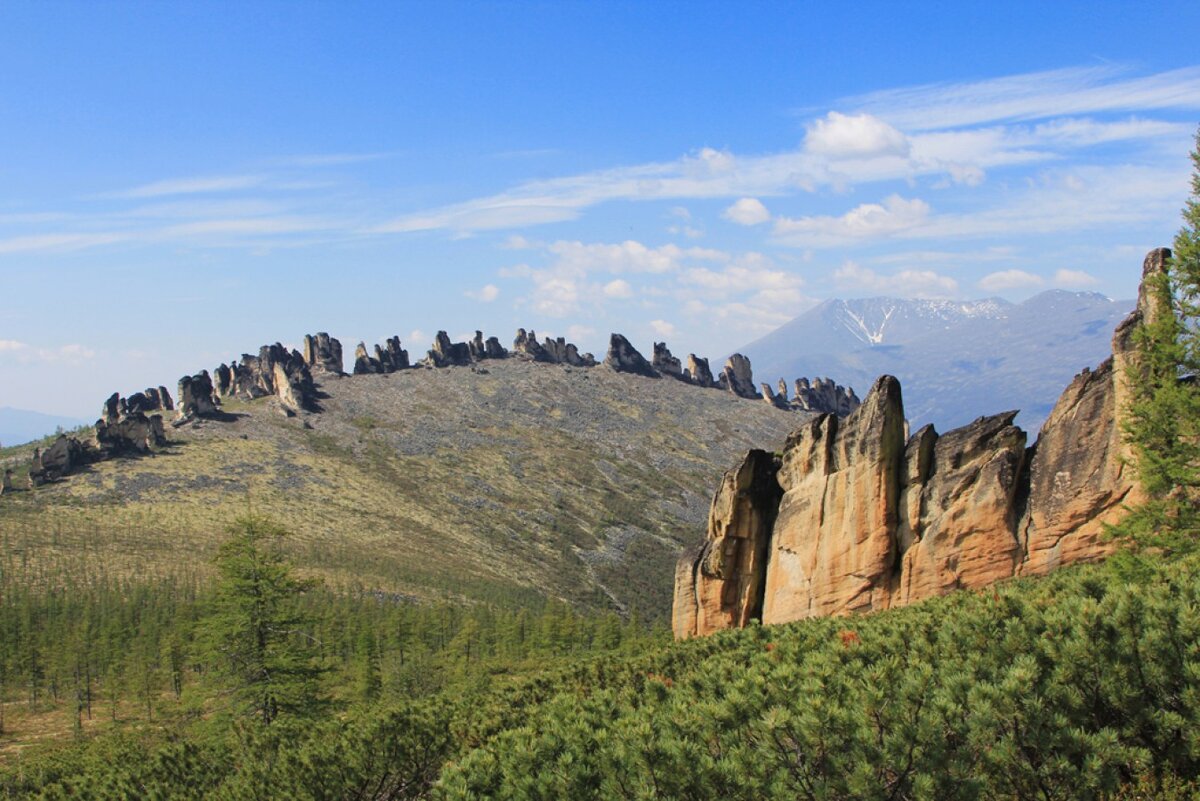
(1164, 417)
(264, 651)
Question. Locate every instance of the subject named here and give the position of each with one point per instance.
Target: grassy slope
(515, 481)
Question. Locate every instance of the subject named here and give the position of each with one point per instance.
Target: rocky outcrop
(274, 371)
(388, 358)
(624, 358)
(553, 351)
(720, 584)
(489, 349)
(738, 377)
(868, 519)
(824, 395)
(324, 353)
(6, 481)
(61, 458)
(664, 362)
(197, 396)
(698, 371)
(446, 353)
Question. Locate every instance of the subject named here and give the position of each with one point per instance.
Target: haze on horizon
(180, 183)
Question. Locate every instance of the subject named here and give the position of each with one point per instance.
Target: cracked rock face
(624, 358)
(323, 352)
(869, 520)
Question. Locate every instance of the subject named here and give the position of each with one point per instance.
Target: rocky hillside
(953, 358)
(506, 479)
(858, 514)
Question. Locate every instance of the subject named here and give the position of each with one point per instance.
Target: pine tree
(263, 650)
(1164, 418)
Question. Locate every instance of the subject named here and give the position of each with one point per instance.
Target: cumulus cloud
(663, 329)
(25, 353)
(906, 283)
(867, 221)
(1009, 279)
(1074, 279)
(618, 288)
(486, 295)
(747, 211)
(841, 136)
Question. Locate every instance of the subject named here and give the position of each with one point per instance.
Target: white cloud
(578, 332)
(854, 136)
(1036, 95)
(11, 345)
(485, 295)
(867, 221)
(618, 288)
(191, 186)
(71, 354)
(1009, 279)
(663, 329)
(906, 283)
(747, 211)
(1074, 278)
(416, 336)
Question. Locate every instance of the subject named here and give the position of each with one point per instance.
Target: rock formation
(720, 583)
(823, 395)
(868, 519)
(624, 358)
(323, 352)
(448, 354)
(197, 398)
(737, 377)
(63, 456)
(489, 349)
(554, 351)
(274, 371)
(6, 484)
(388, 358)
(698, 371)
(664, 362)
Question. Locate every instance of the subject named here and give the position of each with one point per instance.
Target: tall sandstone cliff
(857, 515)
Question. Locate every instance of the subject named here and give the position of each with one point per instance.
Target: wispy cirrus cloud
(191, 186)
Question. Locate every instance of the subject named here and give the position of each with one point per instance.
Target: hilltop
(513, 480)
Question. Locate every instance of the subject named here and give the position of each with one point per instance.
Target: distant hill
(505, 482)
(21, 425)
(955, 360)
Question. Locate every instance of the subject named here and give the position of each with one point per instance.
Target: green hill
(513, 482)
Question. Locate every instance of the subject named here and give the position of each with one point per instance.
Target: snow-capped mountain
(956, 360)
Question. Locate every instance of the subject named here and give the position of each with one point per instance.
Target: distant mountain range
(21, 425)
(955, 360)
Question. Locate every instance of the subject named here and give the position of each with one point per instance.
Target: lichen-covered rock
(719, 585)
(624, 358)
(738, 377)
(833, 545)
(323, 352)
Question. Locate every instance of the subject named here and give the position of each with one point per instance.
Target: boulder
(6, 484)
(135, 433)
(624, 358)
(58, 460)
(719, 584)
(323, 352)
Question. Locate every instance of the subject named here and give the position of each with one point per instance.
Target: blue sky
(182, 182)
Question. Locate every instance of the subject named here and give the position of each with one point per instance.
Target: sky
(183, 182)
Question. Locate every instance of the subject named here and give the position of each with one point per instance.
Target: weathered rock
(274, 371)
(624, 358)
(323, 352)
(966, 535)
(448, 354)
(112, 408)
(489, 349)
(63, 456)
(134, 433)
(222, 380)
(6, 484)
(823, 395)
(391, 357)
(868, 521)
(526, 345)
(1079, 481)
(363, 363)
(698, 371)
(719, 585)
(664, 362)
(772, 399)
(196, 396)
(738, 377)
(834, 542)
